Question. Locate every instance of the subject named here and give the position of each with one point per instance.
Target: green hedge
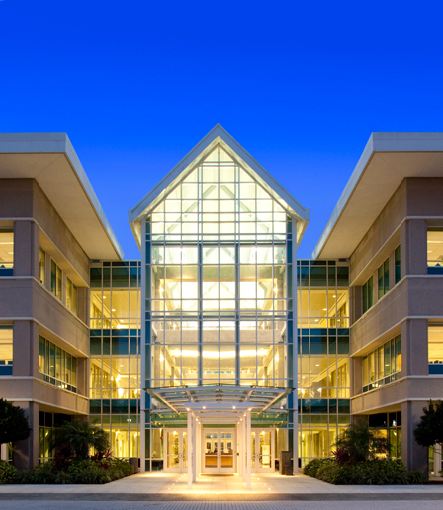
(374, 472)
(84, 471)
(8, 473)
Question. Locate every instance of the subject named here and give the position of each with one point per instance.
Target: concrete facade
(403, 212)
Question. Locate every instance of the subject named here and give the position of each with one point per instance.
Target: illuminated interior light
(161, 289)
(113, 310)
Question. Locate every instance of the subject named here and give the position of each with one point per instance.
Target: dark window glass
(318, 276)
(95, 346)
(398, 264)
(342, 276)
(96, 277)
(95, 407)
(343, 345)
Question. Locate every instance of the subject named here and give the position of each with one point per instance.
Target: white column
(142, 349)
(194, 448)
(248, 449)
(243, 448)
(190, 456)
(239, 452)
(295, 343)
(199, 452)
(4, 451)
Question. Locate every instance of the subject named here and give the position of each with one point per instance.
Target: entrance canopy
(220, 403)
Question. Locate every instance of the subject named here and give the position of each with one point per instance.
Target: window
(383, 279)
(435, 348)
(41, 265)
(71, 296)
(397, 256)
(57, 366)
(435, 250)
(56, 280)
(368, 294)
(383, 365)
(6, 252)
(6, 350)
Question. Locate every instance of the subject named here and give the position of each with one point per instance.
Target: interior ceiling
(61, 184)
(379, 181)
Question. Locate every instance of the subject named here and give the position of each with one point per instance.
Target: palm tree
(358, 443)
(80, 436)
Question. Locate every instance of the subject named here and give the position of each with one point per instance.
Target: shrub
(8, 473)
(43, 473)
(79, 437)
(359, 443)
(373, 472)
(312, 467)
(87, 471)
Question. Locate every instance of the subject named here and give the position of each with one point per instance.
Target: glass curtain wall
(114, 363)
(218, 297)
(323, 361)
(218, 303)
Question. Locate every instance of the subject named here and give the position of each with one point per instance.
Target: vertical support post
(243, 448)
(239, 452)
(295, 344)
(194, 448)
(142, 386)
(248, 449)
(199, 448)
(190, 456)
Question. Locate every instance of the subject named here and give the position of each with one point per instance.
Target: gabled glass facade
(219, 266)
(220, 307)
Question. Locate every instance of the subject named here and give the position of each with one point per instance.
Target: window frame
(383, 279)
(368, 294)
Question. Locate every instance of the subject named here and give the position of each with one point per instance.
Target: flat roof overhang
(388, 158)
(50, 159)
(219, 403)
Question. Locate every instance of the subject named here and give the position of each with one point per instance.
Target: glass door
(219, 451)
(176, 451)
(262, 447)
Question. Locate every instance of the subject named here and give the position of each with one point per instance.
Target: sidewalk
(150, 486)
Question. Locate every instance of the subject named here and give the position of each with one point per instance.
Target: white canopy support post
(190, 456)
(199, 448)
(248, 449)
(194, 448)
(239, 449)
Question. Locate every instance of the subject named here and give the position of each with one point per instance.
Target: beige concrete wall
(27, 299)
(390, 397)
(381, 239)
(34, 311)
(404, 309)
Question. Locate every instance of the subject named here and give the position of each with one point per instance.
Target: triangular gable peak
(207, 150)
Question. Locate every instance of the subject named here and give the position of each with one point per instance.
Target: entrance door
(219, 451)
(176, 451)
(262, 447)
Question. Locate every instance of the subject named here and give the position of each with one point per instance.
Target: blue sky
(300, 85)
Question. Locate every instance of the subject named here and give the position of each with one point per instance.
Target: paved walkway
(196, 505)
(163, 487)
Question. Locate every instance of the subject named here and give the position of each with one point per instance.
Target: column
(413, 456)
(248, 449)
(190, 456)
(199, 452)
(26, 453)
(239, 451)
(194, 448)
(26, 248)
(243, 448)
(413, 247)
(143, 348)
(294, 341)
